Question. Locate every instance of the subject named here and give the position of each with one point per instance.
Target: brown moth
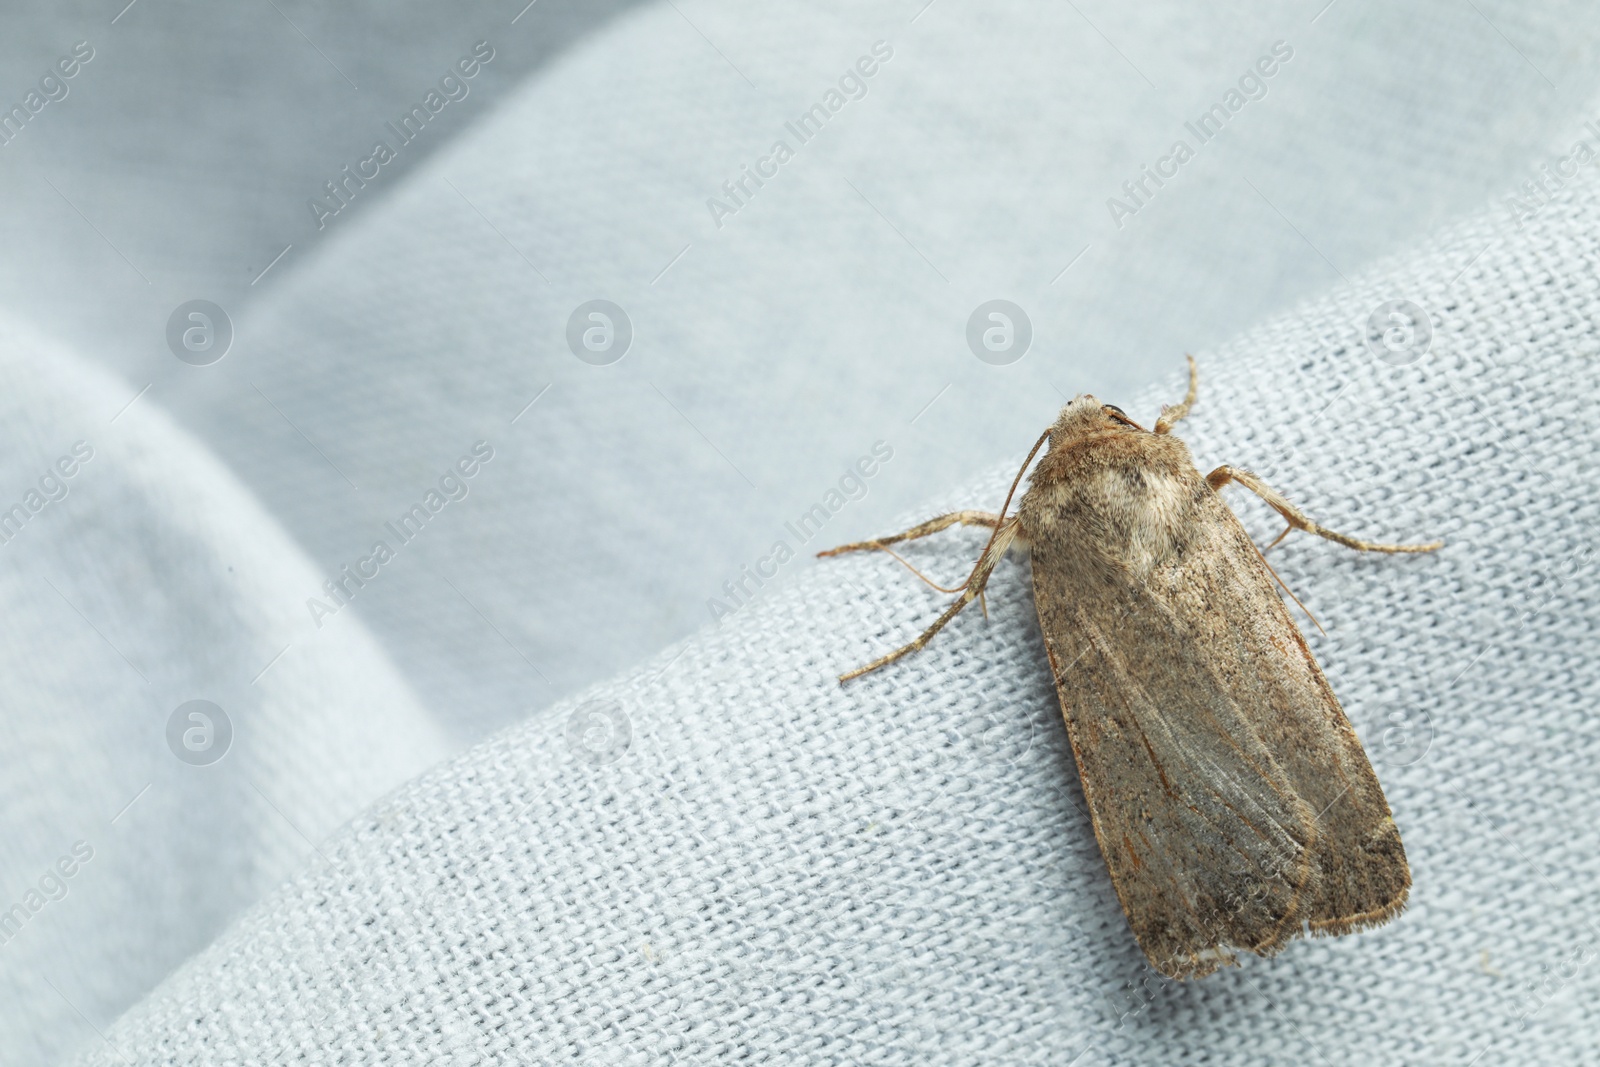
(1232, 801)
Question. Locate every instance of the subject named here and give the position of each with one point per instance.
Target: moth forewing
(1230, 797)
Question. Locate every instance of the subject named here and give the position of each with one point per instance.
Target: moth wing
(1361, 875)
(1207, 842)
(1211, 748)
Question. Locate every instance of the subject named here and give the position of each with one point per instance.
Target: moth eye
(1119, 411)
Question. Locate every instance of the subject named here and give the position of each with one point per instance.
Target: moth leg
(1170, 414)
(1004, 535)
(1005, 532)
(1297, 519)
(932, 526)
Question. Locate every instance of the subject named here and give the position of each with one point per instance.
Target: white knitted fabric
(725, 856)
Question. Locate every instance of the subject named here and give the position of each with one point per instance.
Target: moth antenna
(1003, 507)
(1286, 588)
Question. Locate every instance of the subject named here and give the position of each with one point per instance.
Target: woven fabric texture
(770, 348)
(724, 856)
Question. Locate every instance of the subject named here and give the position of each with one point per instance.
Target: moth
(1230, 797)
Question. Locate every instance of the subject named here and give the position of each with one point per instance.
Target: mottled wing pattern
(1231, 799)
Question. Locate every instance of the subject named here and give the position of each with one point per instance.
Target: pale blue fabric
(723, 855)
(719, 854)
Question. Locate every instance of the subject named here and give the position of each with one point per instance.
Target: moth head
(1086, 416)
